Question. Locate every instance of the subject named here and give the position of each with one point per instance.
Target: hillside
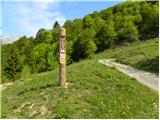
(141, 55)
(127, 32)
(94, 91)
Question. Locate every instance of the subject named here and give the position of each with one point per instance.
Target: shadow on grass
(35, 88)
(151, 65)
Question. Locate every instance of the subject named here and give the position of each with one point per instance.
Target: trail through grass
(149, 79)
(141, 55)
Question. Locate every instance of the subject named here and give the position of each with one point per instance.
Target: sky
(26, 17)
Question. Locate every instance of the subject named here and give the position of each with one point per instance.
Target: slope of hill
(141, 55)
(94, 91)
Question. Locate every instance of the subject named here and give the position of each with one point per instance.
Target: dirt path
(5, 85)
(149, 79)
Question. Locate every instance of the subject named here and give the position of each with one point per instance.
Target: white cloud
(60, 19)
(9, 39)
(33, 16)
(32, 0)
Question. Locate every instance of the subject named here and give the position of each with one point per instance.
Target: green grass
(94, 91)
(141, 55)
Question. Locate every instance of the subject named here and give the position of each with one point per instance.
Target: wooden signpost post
(62, 55)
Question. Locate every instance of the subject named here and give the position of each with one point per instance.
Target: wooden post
(62, 55)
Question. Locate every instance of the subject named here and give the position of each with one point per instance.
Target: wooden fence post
(62, 55)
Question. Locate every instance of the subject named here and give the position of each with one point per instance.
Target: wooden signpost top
(63, 32)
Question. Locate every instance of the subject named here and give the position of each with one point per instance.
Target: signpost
(62, 60)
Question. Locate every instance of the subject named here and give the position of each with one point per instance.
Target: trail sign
(62, 59)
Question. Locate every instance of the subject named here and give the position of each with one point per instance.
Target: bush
(26, 71)
(90, 49)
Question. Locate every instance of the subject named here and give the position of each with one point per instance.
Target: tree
(105, 14)
(128, 33)
(77, 51)
(56, 25)
(14, 65)
(69, 50)
(28, 51)
(99, 23)
(82, 47)
(14, 56)
(42, 56)
(118, 20)
(39, 58)
(48, 36)
(40, 36)
(68, 25)
(150, 24)
(88, 22)
(90, 49)
(25, 46)
(55, 34)
(5, 66)
(44, 36)
(105, 38)
(53, 56)
(77, 28)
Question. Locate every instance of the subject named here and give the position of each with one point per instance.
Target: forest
(122, 24)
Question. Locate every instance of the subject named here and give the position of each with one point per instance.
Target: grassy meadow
(141, 55)
(94, 90)
(126, 31)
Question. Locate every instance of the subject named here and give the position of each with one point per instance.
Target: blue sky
(25, 17)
